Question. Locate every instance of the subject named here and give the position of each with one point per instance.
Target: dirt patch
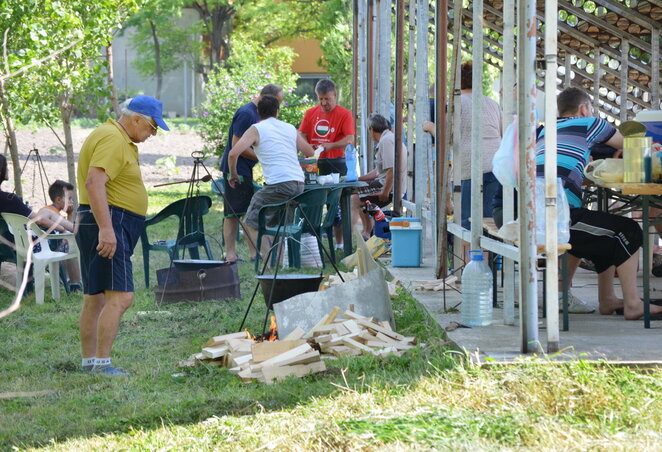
(173, 143)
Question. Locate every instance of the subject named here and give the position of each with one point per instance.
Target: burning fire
(271, 336)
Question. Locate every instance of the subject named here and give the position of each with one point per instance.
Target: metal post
(476, 129)
(363, 64)
(383, 105)
(655, 69)
(440, 181)
(458, 259)
(568, 71)
(526, 92)
(423, 141)
(597, 74)
(509, 97)
(371, 48)
(625, 51)
(399, 91)
(411, 93)
(551, 249)
(355, 69)
(185, 89)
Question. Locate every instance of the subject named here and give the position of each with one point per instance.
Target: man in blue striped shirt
(611, 242)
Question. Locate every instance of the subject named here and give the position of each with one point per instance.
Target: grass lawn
(427, 399)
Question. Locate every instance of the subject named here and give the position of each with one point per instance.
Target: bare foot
(231, 258)
(609, 305)
(636, 312)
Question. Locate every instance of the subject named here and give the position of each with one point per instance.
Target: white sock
(88, 361)
(102, 362)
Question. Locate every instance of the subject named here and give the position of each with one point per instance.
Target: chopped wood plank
(357, 345)
(304, 358)
(332, 315)
(297, 333)
(217, 340)
(263, 351)
(385, 338)
(273, 374)
(215, 352)
(386, 324)
(351, 307)
(381, 329)
(247, 373)
(324, 338)
(240, 345)
(339, 339)
(377, 344)
(321, 322)
(351, 326)
(325, 329)
(353, 315)
(199, 356)
(240, 360)
(300, 350)
(235, 370)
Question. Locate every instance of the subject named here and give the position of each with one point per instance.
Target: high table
(345, 208)
(638, 195)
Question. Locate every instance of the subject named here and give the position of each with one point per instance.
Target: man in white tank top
(275, 143)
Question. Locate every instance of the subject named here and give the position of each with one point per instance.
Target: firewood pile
(301, 353)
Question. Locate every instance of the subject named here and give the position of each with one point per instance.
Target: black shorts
(603, 238)
(237, 199)
(98, 273)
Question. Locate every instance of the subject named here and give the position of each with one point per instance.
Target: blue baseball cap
(150, 106)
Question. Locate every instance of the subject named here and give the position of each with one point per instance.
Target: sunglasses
(154, 128)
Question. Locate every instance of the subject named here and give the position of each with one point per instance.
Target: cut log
(263, 351)
(215, 352)
(273, 374)
(297, 333)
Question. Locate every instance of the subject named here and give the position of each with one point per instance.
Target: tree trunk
(157, 60)
(66, 110)
(218, 22)
(111, 80)
(10, 133)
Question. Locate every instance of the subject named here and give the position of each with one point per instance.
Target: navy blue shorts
(100, 274)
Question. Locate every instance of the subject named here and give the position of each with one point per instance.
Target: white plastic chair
(23, 239)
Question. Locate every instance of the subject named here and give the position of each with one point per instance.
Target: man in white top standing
(275, 143)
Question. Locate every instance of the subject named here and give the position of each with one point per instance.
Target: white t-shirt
(490, 132)
(277, 151)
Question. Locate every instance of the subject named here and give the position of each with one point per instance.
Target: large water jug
(350, 161)
(562, 212)
(476, 291)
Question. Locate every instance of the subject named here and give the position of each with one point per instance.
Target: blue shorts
(490, 188)
(98, 273)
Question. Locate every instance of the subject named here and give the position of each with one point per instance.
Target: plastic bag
(505, 162)
(605, 171)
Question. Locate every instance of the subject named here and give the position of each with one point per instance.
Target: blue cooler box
(652, 119)
(406, 242)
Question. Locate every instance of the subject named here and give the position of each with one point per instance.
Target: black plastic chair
(190, 234)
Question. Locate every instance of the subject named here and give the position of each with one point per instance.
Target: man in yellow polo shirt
(111, 217)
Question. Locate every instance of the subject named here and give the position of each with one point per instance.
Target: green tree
(248, 69)
(161, 41)
(73, 79)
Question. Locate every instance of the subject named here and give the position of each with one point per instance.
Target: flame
(273, 330)
(249, 335)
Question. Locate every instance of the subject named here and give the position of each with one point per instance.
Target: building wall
(182, 88)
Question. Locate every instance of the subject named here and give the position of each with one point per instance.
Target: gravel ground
(176, 143)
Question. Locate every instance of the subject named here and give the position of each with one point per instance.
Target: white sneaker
(575, 305)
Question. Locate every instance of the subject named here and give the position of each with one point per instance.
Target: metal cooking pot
(287, 286)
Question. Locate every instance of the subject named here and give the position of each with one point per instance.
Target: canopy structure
(609, 48)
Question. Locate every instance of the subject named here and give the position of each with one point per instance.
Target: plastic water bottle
(350, 162)
(562, 212)
(476, 291)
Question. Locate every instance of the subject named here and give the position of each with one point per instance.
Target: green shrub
(248, 69)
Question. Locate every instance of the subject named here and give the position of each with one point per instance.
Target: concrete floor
(591, 336)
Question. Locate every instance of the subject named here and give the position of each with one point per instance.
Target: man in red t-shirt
(328, 124)
(331, 126)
